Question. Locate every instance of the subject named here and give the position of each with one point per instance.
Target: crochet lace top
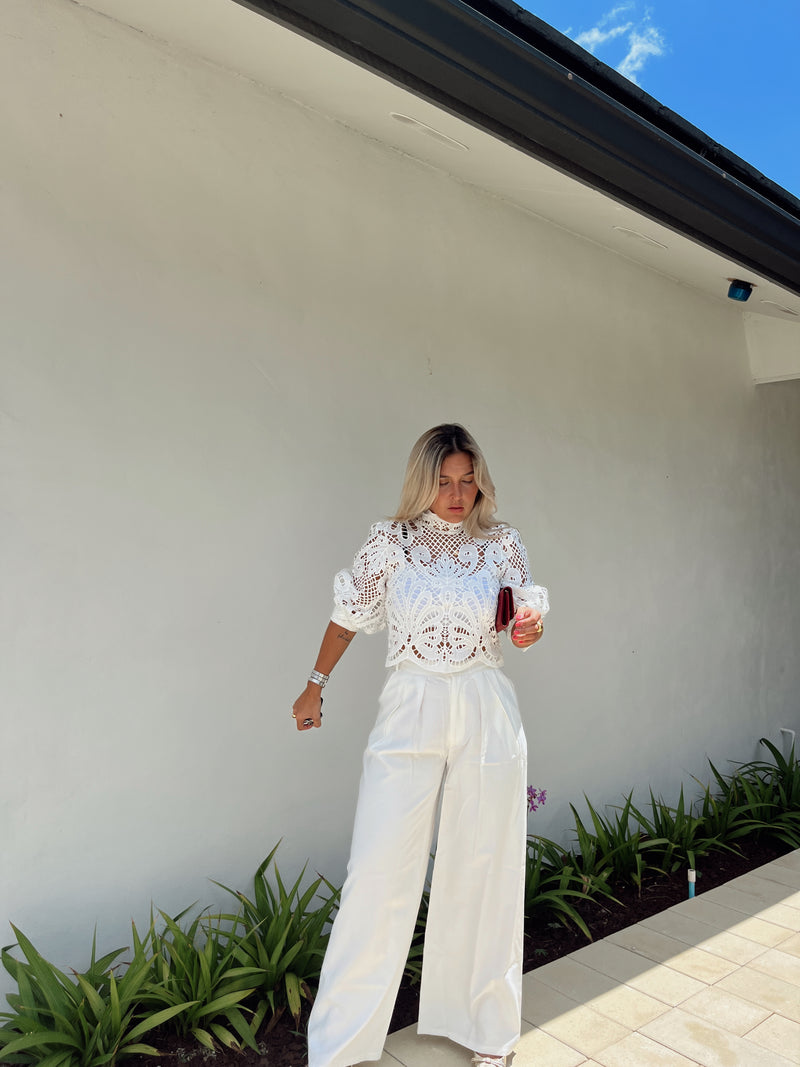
(435, 588)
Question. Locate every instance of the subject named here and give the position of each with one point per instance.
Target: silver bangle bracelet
(319, 678)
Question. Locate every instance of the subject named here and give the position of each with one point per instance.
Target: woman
(448, 732)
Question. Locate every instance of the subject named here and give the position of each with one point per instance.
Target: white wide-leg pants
(459, 734)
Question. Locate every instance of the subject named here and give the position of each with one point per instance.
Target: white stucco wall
(226, 320)
(774, 348)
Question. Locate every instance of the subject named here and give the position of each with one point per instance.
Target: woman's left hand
(528, 627)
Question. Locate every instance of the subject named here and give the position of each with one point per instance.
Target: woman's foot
(482, 1059)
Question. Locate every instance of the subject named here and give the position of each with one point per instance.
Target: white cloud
(615, 12)
(643, 39)
(642, 44)
(592, 39)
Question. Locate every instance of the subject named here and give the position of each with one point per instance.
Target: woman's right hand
(308, 706)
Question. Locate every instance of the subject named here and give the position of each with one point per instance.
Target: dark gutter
(510, 74)
(631, 96)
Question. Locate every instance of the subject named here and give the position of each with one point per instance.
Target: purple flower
(536, 797)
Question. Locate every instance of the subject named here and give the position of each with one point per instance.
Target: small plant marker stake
(692, 878)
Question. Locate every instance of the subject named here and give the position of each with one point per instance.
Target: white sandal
(479, 1060)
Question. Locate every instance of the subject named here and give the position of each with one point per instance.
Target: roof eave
(567, 111)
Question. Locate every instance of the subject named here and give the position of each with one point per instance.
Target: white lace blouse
(435, 588)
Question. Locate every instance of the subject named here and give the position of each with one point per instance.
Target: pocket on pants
(393, 697)
(503, 738)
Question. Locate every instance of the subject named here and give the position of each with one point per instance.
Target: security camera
(739, 290)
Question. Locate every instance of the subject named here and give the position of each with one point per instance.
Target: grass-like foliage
(676, 836)
(196, 967)
(413, 968)
(724, 817)
(554, 883)
(759, 798)
(90, 1021)
(281, 935)
(771, 794)
(614, 848)
(214, 977)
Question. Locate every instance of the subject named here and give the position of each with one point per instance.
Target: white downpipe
(788, 740)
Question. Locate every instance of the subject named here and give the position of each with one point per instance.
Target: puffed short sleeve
(360, 594)
(516, 573)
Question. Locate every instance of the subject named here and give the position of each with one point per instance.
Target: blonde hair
(421, 484)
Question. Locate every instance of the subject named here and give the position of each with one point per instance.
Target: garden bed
(545, 941)
(214, 977)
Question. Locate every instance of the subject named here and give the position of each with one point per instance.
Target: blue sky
(730, 67)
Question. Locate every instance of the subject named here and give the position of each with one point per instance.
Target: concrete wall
(226, 320)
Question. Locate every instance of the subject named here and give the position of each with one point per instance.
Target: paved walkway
(712, 981)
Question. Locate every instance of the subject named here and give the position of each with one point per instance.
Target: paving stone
(778, 1035)
(726, 1010)
(708, 1044)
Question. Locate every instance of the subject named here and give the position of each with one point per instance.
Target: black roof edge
(560, 48)
(505, 71)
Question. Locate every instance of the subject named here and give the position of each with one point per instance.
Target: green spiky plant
(614, 849)
(281, 934)
(91, 1021)
(771, 792)
(676, 835)
(555, 884)
(196, 967)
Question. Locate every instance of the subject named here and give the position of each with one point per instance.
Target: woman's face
(457, 488)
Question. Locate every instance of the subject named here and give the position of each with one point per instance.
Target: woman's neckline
(442, 525)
